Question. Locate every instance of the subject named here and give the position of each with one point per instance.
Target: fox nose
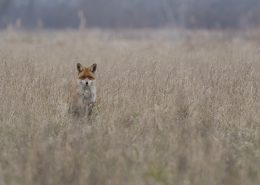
(86, 83)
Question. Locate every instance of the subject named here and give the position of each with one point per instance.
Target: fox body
(84, 97)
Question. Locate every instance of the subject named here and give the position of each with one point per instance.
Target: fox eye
(90, 77)
(81, 78)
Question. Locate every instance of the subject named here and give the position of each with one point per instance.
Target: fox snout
(86, 82)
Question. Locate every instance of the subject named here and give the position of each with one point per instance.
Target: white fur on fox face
(86, 82)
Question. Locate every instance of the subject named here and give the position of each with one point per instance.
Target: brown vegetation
(172, 109)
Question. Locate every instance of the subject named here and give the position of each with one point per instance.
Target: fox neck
(88, 93)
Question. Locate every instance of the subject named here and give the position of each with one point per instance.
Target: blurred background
(125, 14)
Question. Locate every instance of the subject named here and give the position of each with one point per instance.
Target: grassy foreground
(172, 109)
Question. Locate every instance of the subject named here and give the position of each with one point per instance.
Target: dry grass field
(172, 109)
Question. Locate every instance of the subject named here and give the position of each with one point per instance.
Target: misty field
(172, 109)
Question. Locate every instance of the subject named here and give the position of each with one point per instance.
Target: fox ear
(79, 67)
(93, 68)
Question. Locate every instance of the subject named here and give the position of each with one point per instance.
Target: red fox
(84, 97)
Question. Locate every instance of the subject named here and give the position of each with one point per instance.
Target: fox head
(86, 75)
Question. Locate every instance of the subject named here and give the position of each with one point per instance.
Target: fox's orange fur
(83, 97)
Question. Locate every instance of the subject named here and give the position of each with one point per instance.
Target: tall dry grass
(172, 109)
